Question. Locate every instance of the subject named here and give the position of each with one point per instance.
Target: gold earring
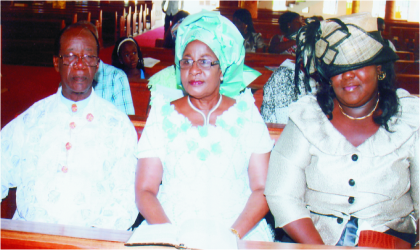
(381, 75)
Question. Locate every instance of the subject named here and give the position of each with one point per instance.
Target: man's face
(76, 75)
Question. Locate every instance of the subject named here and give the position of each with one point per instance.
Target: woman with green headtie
(209, 150)
(345, 170)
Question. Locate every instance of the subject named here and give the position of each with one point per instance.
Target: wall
(317, 7)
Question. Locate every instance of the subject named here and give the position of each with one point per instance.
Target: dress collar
(318, 130)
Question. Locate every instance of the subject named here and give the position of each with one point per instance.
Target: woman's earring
(381, 75)
(221, 79)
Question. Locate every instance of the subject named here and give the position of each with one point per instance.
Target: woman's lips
(195, 83)
(350, 88)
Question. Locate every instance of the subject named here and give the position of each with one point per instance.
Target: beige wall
(318, 5)
(265, 5)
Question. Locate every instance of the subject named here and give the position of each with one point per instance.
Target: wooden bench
(406, 67)
(405, 55)
(408, 82)
(140, 94)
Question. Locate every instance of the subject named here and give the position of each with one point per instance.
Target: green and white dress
(205, 168)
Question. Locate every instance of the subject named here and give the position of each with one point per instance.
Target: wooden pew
(408, 82)
(403, 37)
(140, 94)
(27, 234)
(405, 55)
(406, 67)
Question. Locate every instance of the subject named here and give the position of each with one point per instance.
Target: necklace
(359, 118)
(206, 120)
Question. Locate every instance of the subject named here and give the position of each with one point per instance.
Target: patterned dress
(279, 93)
(205, 168)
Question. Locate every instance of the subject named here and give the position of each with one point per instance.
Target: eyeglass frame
(198, 65)
(77, 60)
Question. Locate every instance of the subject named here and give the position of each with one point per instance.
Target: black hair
(116, 60)
(245, 16)
(380, 22)
(286, 18)
(57, 42)
(179, 15)
(388, 99)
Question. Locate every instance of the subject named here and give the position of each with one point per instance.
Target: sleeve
(151, 143)
(278, 94)
(122, 94)
(414, 176)
(259, 139)
(123, 204)
(286, 181)
(259, 41)
(12, 141)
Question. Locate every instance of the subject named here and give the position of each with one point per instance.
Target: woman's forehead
(198, 47)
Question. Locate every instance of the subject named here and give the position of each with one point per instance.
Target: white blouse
(315, 171)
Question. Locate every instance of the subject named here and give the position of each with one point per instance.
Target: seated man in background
(71, 155)
(110, 82)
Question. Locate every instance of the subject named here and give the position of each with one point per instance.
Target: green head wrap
(226, 42)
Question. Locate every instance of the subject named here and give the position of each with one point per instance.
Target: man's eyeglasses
(201, 63)
(88, 60)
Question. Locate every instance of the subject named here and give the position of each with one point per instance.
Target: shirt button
(68, 145)
(64, 169)
(89, 117)
(339, 220)
(352, 182)
(351, 200)
(74, 107)
(72, 125)
(354, 157)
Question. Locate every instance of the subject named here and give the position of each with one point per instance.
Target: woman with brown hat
(345, 170)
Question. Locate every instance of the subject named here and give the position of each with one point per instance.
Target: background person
(71, 155)
(111, 83)
(381, 29)
(172, 8)
(170, 34)
(209, 151)
(345, 170)
(128, 57)
(253, 41)
(290, 22)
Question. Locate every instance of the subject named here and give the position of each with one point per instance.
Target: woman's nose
(195, 69)
(349, 74)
